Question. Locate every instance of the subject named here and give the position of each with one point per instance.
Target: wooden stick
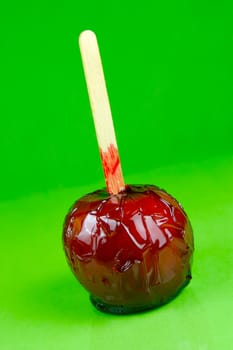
(101, 111)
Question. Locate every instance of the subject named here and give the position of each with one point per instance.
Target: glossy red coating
(131, 251)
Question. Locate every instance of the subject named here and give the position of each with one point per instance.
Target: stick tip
(86, 35)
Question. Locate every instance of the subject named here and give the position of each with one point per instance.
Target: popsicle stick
(101, 111)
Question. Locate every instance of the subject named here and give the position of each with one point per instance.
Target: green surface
(43, 307)
(169, 72)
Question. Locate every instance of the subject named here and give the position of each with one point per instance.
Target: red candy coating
(131, 251)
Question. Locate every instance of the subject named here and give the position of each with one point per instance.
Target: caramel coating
(131, 251)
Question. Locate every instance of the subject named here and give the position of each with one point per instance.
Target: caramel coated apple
(132, 251)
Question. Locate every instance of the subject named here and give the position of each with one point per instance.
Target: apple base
(119, 309)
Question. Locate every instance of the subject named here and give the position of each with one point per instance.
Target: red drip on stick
(112, 169)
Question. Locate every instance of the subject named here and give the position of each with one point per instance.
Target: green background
(169, 73)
